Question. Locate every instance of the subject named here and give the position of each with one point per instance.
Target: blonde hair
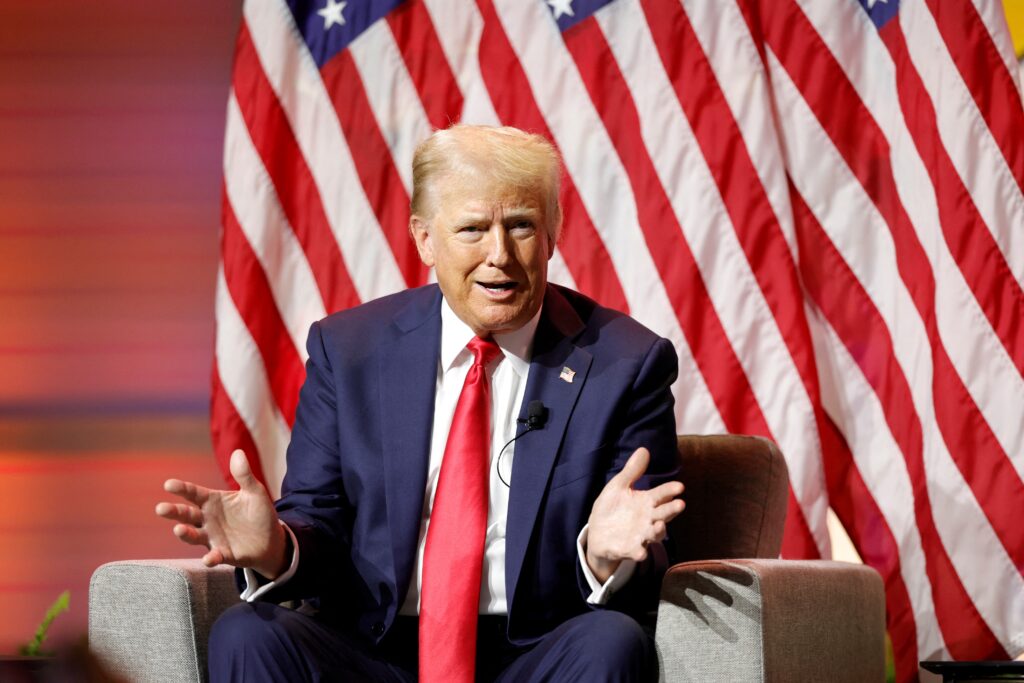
(509, 156)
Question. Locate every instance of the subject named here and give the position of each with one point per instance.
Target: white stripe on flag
(558, 272)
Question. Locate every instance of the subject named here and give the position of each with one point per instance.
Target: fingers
(213, 558)
(194, 536)
(666, 492)
(668, 511)
(179, 512)
(241, 471)
(655, 533)
(187, 490)
(191, 535)
(634, 468)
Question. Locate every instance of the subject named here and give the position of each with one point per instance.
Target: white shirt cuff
(602, 593)
(253, 589)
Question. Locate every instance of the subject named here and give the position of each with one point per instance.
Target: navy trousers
(266, 642)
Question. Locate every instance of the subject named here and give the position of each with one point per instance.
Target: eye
(469, 232)
(522, 225)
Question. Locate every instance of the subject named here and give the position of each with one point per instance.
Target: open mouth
(498, 286)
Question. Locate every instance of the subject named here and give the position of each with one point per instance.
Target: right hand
(239, 528)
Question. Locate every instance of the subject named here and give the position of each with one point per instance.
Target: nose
(498, 254)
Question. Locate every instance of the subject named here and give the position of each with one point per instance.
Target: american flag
(819, 203)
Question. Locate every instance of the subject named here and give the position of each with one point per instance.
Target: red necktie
(454, 554)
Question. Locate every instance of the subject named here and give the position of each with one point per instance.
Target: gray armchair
(722, 619)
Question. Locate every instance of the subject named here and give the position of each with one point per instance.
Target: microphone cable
(536, 418)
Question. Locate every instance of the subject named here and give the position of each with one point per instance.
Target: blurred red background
(111, 127)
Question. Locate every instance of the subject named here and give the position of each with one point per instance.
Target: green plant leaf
(33, 647)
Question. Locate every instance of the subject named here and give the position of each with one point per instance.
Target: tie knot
(483, 350)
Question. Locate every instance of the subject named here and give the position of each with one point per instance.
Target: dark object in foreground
(73, 663)
(954, 672)
(18, 668)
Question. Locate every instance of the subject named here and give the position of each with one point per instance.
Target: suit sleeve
(648, 420)
(313, 502)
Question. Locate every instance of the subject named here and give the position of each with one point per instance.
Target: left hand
(624, 521)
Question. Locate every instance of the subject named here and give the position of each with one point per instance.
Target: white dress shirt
(507, 375)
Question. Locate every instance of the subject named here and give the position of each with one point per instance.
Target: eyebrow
(522, 212)
(511, 214)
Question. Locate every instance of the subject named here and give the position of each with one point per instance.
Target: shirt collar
(517, 346)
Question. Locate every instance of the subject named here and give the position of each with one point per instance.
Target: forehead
(477, 193)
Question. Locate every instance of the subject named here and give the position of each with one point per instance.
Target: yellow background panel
(1015, 19)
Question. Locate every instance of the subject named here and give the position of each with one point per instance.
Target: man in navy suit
(572, 552)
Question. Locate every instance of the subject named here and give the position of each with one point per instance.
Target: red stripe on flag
(797, 541)
(274, 140)
(250, 290)
(424, 59)
(373, 162)
(985, 74)
(861, 142)
(856, 508)
(228, 432)
(581, 246)
(851, 313)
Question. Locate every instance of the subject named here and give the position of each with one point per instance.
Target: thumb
(241, 471)
(634, 467)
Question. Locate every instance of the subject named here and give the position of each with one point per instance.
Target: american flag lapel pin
(567, 374)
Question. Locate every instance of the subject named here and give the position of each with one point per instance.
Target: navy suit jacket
(357, 463)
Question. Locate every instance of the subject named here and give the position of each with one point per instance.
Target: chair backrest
(736, 494)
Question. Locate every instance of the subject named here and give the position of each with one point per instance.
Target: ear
(550, 245)
(419, 230)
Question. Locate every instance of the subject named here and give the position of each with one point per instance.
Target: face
(490, 248)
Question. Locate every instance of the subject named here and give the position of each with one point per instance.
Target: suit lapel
(556, 360)
(407, 378)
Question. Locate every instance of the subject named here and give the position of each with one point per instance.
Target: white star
(332, 14)
(871, 3)
(560, 7)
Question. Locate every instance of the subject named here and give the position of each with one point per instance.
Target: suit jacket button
(377, 629)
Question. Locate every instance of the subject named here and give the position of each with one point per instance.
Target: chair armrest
(771, 620)
(149, 620)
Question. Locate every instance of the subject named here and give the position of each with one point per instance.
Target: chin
(494, 324)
